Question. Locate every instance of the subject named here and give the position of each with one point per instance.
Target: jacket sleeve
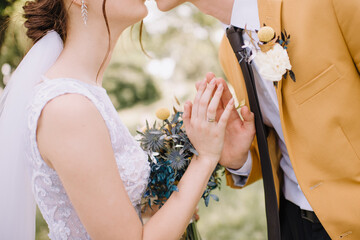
(348, 16)
(255, 173)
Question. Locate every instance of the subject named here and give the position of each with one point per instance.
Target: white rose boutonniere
(270, 55)
(273, 64)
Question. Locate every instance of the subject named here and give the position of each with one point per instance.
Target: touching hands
(239, 134)
(205, 129)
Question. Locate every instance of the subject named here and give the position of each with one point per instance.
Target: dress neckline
(73, 79)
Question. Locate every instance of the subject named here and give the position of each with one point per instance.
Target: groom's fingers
(249, 117)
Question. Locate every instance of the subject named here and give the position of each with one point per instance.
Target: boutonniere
(270, 54)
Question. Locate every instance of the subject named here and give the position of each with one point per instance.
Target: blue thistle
(177, 160)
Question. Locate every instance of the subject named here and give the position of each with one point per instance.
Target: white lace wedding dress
(49, 192)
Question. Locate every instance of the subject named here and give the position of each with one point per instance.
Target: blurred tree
(137, 86)
(4, 19)
(184, 42)
(13, 42)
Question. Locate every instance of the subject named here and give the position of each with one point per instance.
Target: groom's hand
(239, 134)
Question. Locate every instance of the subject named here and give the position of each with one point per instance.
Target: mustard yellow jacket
(320, 112)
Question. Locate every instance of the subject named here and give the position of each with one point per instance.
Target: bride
(63, 146)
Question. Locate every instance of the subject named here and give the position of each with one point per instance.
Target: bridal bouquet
(170, 152)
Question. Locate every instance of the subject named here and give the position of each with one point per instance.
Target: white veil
(17, 205)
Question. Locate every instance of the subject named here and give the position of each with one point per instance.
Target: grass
(42, 229)
(240, 214)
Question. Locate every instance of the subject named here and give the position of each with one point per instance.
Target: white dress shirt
(245, 13)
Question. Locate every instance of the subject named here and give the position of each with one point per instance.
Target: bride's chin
(135, 17)
(143, 12)
(163, 5)
(146, 12)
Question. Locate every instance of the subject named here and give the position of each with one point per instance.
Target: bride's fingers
(220, 106)
(226, 94)
(214, 103)
(197, 84)
(210, 76)
(205, 99)
(201, 89)
(226, 114)
(187, 114)
(225, 98)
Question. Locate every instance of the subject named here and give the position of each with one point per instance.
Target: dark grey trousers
(294, 227)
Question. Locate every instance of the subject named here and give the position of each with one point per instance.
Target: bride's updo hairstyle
(45, 15)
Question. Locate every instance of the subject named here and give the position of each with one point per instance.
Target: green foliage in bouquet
(170, 152)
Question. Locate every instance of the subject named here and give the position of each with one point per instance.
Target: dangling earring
(84, 11)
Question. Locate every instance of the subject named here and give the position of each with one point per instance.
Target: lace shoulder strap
(50, 89)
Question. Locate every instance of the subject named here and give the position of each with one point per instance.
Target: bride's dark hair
(45, 15)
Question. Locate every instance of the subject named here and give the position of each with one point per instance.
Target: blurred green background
(183, 45)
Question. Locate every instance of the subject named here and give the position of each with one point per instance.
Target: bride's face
(167, 5)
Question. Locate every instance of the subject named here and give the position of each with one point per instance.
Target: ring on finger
(211, 120)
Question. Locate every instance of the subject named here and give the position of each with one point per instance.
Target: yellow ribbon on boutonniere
(267, 37)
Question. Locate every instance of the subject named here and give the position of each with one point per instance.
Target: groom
(314, 137)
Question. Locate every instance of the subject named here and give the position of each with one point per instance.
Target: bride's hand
(205, 133)
(240, 132)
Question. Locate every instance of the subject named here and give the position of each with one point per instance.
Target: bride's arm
(74, 140)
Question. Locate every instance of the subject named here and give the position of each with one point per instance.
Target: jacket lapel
(270, 14)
